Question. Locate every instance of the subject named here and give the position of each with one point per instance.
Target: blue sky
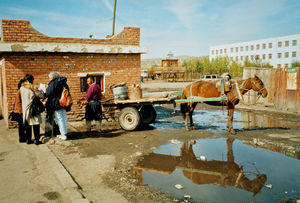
(184, 27)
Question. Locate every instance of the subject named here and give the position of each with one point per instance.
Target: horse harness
(224, 88)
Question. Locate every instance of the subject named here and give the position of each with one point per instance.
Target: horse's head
(258, 86)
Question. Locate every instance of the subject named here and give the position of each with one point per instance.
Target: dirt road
(101, 164)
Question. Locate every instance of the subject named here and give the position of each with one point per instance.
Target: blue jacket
(53, 93)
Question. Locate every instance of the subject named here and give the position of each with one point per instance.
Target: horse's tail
(183, 106)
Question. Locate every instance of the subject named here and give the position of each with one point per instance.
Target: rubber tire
(148, 114)
(129, 118)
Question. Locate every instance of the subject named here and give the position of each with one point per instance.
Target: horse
(209, 89)
(201, 171)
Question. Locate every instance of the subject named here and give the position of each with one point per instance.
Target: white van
(210, 77)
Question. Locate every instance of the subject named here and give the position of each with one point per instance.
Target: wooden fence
(283, 87)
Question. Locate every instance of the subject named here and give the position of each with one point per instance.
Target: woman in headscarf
(30, 121)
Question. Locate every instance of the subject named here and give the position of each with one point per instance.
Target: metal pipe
(113, 29)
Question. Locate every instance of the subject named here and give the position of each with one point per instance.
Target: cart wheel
(129, 118)
(148, 114)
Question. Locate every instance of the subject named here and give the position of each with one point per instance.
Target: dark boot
(21, 130)
(36, 132)
(28, 132)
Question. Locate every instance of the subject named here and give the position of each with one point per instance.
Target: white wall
(218, 51)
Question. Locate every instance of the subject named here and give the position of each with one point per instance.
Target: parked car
(210, 77)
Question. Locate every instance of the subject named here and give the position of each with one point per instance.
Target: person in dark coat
(93, 108)
(54, 109)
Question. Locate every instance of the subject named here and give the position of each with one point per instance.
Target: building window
(241, 58)
(225, 51)
(278, 65)
(279, 55)
(252, 47)
(236, 58)
(212, 52)
(286, 54)
(257, 57)
(286, 65)
(294, 42)
(247, 48)
(217, 52)
(293, 54)
(264, 56)
(257, 47)
(247, 57)
(231, 58)
(231, 50)
(279, 44)
(270, 56)
(242, 48)
(286, 43)
(270, 45)
(236, 49)
(98, 79)
(264, 46)
(252, 57)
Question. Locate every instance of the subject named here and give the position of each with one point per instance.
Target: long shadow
(261, 128)
(93, 134)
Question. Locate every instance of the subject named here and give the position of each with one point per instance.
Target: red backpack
(65, 99)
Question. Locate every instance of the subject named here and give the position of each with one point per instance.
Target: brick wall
(121, 67)
(22, 31)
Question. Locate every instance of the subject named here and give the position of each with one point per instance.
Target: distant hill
(157, 61)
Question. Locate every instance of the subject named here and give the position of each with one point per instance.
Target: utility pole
(114, 19)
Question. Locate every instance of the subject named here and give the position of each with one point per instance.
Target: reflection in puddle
(283, 149)
(255, 120)
(217, 119)
(210, 171)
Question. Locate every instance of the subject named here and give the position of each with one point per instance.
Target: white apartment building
(278, 51)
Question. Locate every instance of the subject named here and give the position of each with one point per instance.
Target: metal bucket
(120, 92)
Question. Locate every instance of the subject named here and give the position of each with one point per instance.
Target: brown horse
(209, 89)
(222, 173)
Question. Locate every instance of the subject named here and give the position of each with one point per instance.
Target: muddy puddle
(216, 119)
(221, 170)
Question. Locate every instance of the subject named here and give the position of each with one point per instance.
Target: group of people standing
(27, 95)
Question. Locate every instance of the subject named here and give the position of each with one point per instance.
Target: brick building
(170, 63)
(24, 50)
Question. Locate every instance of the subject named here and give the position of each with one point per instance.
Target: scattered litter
(138, 153)
(269, 186)
(130, 143)
(202, 158)
(173, 141)
(153, 148)
(178, 186)
(187, 196)
(286, 192)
